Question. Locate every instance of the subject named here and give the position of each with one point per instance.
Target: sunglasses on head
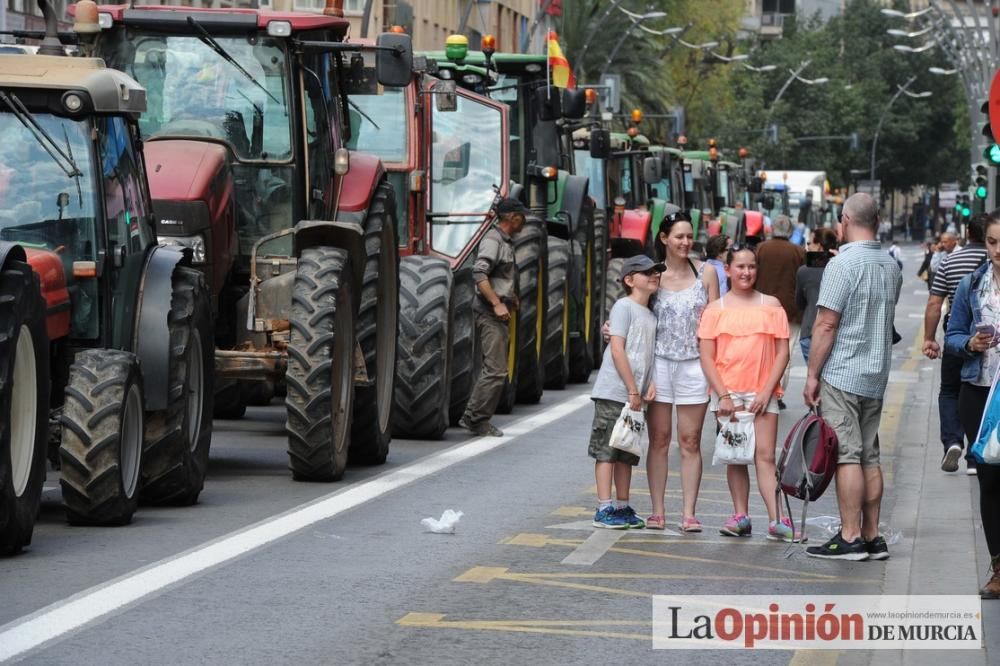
(648, 273)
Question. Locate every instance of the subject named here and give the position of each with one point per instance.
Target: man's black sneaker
(877, 548)
(838, 549)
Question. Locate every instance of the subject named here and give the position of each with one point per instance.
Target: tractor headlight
(196, 244)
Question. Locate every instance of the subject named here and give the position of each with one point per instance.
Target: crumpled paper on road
(446, 525)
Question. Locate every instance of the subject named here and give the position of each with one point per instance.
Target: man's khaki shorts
(855, 419)
(606, 413)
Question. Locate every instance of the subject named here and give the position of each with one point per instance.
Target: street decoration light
(636, 20)
(902, 90)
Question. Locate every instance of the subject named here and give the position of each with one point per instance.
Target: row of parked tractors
(203, 209)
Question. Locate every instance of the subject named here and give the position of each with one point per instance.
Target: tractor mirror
(768, 202)
(445, 97)
(548, 103)
(652, 171)
(394, 67)
(574, 103)
(600, 144)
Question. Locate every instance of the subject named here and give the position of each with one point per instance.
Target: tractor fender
(152, 331)
(11, 251)
(635, 225)
(346, 233)
(357, 186)
(574, 195)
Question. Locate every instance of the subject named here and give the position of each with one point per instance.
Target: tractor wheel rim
(131, 440)
(386, 321)
(23, 411)
(195, 390)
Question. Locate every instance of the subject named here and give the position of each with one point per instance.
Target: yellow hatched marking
(555, 627)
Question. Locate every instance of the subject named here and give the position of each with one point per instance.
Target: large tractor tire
(555, 348)
(377, 324)
(423, 375)
(599, 281)
(320, 376)
(613, 289)
(464, 351)
(24, 404)
(102, 433)
(531, 253)
(175, 457)
(587, 303)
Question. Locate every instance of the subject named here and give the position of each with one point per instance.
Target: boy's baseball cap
(638, 264)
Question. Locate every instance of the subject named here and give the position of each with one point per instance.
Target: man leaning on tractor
(495, 275)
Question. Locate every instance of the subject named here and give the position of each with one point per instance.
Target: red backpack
(808, 462)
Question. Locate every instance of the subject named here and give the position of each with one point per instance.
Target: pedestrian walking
(849, 362)
(778, 262)
(625, 376)
(744, 350)
(972, 337)
(715, 256)
(945, 246)
(807, 282)
(495, 275)
(897, 255)
(685, 288)
(950, 272)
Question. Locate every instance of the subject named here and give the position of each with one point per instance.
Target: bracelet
(636, 393)
(725, 395)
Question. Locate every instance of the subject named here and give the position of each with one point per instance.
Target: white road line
(593, 548)
(49, 623)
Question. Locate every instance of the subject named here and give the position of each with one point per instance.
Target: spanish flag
(562, 75)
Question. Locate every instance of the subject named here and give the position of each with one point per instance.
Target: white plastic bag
(449, 519)
(627, 433)
(736, 442)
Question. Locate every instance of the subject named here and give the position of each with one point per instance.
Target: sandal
(690, 524)
(656, 523)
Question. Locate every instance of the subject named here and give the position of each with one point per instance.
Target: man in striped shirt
(950, 272)
(849, 362)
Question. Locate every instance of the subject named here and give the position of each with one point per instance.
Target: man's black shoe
(838, 549)
(877, 548)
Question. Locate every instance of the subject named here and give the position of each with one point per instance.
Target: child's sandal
(656, 523)
(690, 524)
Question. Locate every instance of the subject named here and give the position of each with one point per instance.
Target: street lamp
(902, 91)
(736, 58)
(660, 33)
(896, 32)
(942, 72)
(636, 20)
(705, 45)
(593, 31)
(794, 76)
(762, 68)
(910, 49)
(912, 15)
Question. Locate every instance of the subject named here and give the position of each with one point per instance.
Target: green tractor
(557, 252)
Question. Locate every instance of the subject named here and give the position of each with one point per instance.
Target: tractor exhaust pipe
(50, 44)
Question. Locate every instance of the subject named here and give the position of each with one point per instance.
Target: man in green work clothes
(495, 275)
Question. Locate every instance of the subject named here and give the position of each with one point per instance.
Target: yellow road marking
(437, 621)
(584, 512)
(489, 574)
(481, 574)
(815, 658)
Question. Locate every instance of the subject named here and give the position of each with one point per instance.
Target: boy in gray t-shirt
(625, 376)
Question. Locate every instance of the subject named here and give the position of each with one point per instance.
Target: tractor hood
(190, 183)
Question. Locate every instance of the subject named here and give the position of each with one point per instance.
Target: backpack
(807, 463)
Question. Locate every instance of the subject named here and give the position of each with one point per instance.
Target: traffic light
(982, 174)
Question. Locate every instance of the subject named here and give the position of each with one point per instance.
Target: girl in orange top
(744, 351)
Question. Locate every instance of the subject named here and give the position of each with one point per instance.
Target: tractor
(556, 252)
(245, 137)
(440, 146)
(105, 337)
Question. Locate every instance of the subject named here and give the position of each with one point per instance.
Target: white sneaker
(950, 461)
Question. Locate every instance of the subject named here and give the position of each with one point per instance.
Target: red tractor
(245, 138)
(103, 334)
(446, 149)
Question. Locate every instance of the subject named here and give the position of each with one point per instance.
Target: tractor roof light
(489, 44)
(456, 47)
(590, 95)
(279, 28)
(636, 116)
(334, 8)
(87, 18)
(712, 143)
(398, 29)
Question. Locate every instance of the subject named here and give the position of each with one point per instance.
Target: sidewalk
(942, 550)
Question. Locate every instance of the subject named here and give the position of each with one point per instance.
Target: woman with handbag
(972, 335)
(744, 351)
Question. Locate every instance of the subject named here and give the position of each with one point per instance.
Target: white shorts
(680, 382)
(743, 400)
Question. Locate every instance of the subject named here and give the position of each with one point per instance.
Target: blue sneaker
(610, 519)
(633, 521)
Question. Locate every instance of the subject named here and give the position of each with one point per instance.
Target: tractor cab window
(378, 125)
(508, 90)
(722, 189)
(620, 180)
(125, 203)
(49, 203)
(319, 139)
(193, 91)
(465, 153)
(593, 169)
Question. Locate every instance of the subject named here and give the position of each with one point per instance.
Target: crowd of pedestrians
(721, 333)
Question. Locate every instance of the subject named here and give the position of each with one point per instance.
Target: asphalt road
(265, 570)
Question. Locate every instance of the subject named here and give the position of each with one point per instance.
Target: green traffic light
(966, 212)
(981, 191)
(992, 154)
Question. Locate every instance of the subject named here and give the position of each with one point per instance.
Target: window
(779, 7)
(123, 192)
